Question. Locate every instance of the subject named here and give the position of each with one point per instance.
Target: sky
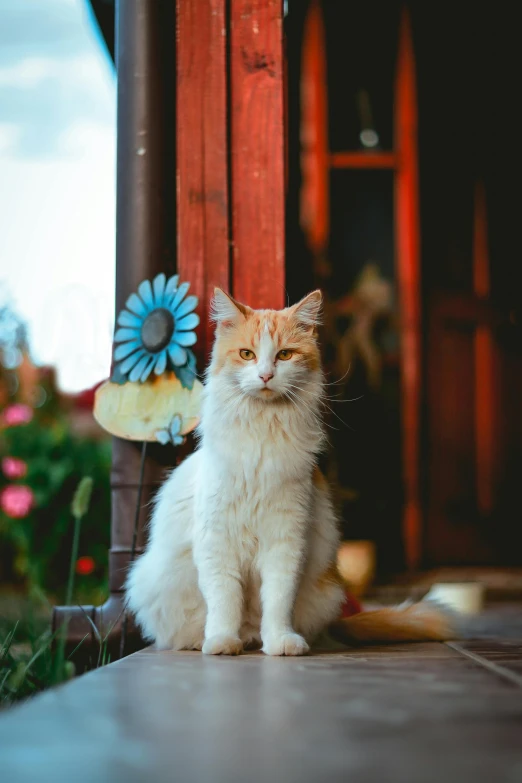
(57, 184)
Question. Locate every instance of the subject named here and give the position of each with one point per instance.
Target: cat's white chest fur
(257, 478)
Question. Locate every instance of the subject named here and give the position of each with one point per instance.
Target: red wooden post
(201, 147)
(257, 145)
(408, 277)
(315, 189)
(484, 362)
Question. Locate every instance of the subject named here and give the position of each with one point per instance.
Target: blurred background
(57, 270)
(403, 203)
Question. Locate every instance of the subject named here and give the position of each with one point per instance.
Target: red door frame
(316, 165)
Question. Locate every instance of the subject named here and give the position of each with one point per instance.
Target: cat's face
(266, 354)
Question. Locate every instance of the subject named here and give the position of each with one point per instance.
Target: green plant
(34, 547)
(30, 661)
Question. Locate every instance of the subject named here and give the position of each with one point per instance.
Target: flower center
(157, 330)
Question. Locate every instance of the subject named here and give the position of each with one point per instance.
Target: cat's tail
(426, 621)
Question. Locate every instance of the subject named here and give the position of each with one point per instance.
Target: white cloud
(88, 70)
(88, 140)
(27, 73)
(8, 137)
(57, 256)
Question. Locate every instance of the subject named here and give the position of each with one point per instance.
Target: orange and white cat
(243, 538)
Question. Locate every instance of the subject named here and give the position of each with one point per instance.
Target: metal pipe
(145, 245)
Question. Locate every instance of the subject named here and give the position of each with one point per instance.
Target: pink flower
(16, 501)
(14, 468)
(17, 414)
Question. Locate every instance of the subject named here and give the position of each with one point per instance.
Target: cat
(243, 537)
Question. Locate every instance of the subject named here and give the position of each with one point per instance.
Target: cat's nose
(266, 377)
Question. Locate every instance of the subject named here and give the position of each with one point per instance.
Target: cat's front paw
(222, 645)
(286, 644)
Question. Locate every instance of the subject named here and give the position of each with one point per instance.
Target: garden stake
(134, 538)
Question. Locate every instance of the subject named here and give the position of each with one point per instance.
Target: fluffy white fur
(242, 531)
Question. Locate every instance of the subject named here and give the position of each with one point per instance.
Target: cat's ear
(225, 311)
(308, 311)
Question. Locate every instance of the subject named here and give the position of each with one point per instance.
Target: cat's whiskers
(318, 423)
(322, 401)
(336, 383)
(298, 400)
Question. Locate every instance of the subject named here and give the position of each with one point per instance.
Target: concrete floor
(421, 713)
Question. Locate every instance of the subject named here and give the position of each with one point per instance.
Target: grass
(28, 665)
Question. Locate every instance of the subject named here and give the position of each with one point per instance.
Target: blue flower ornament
(153, 393)
(156, 330)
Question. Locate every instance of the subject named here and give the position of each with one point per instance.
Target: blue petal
(178, 440)
(185, 307)
(161, 363)
(135, 373)
(129, 363)
(125, 349)
(186, 375)
(129, 319)
(135, 304)
(187, 322)
(145, 291)
(191, 361)
(170, 289)
(117, 376)
(146, 372)
(178, 355)
(175, 425)
(178, 296)
(158, 285)
(126, 334)
(184, 338)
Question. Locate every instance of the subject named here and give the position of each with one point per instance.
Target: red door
(474, 453)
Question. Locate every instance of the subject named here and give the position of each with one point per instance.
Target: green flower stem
(79, 507)
(74, 558)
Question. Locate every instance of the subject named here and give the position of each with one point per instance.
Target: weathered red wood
(201, 139)
(484, 363)
(286, 110)
(315, 201)
(408, 279)
(257, 141)
(451, 388)
(363, 160)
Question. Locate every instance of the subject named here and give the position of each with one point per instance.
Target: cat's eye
(285, 355)
(247, 355)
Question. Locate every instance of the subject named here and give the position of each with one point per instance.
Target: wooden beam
(315, 188)
(485, 364)
(363, 160)
(201, 151)
(408, 279)
(257, 151)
